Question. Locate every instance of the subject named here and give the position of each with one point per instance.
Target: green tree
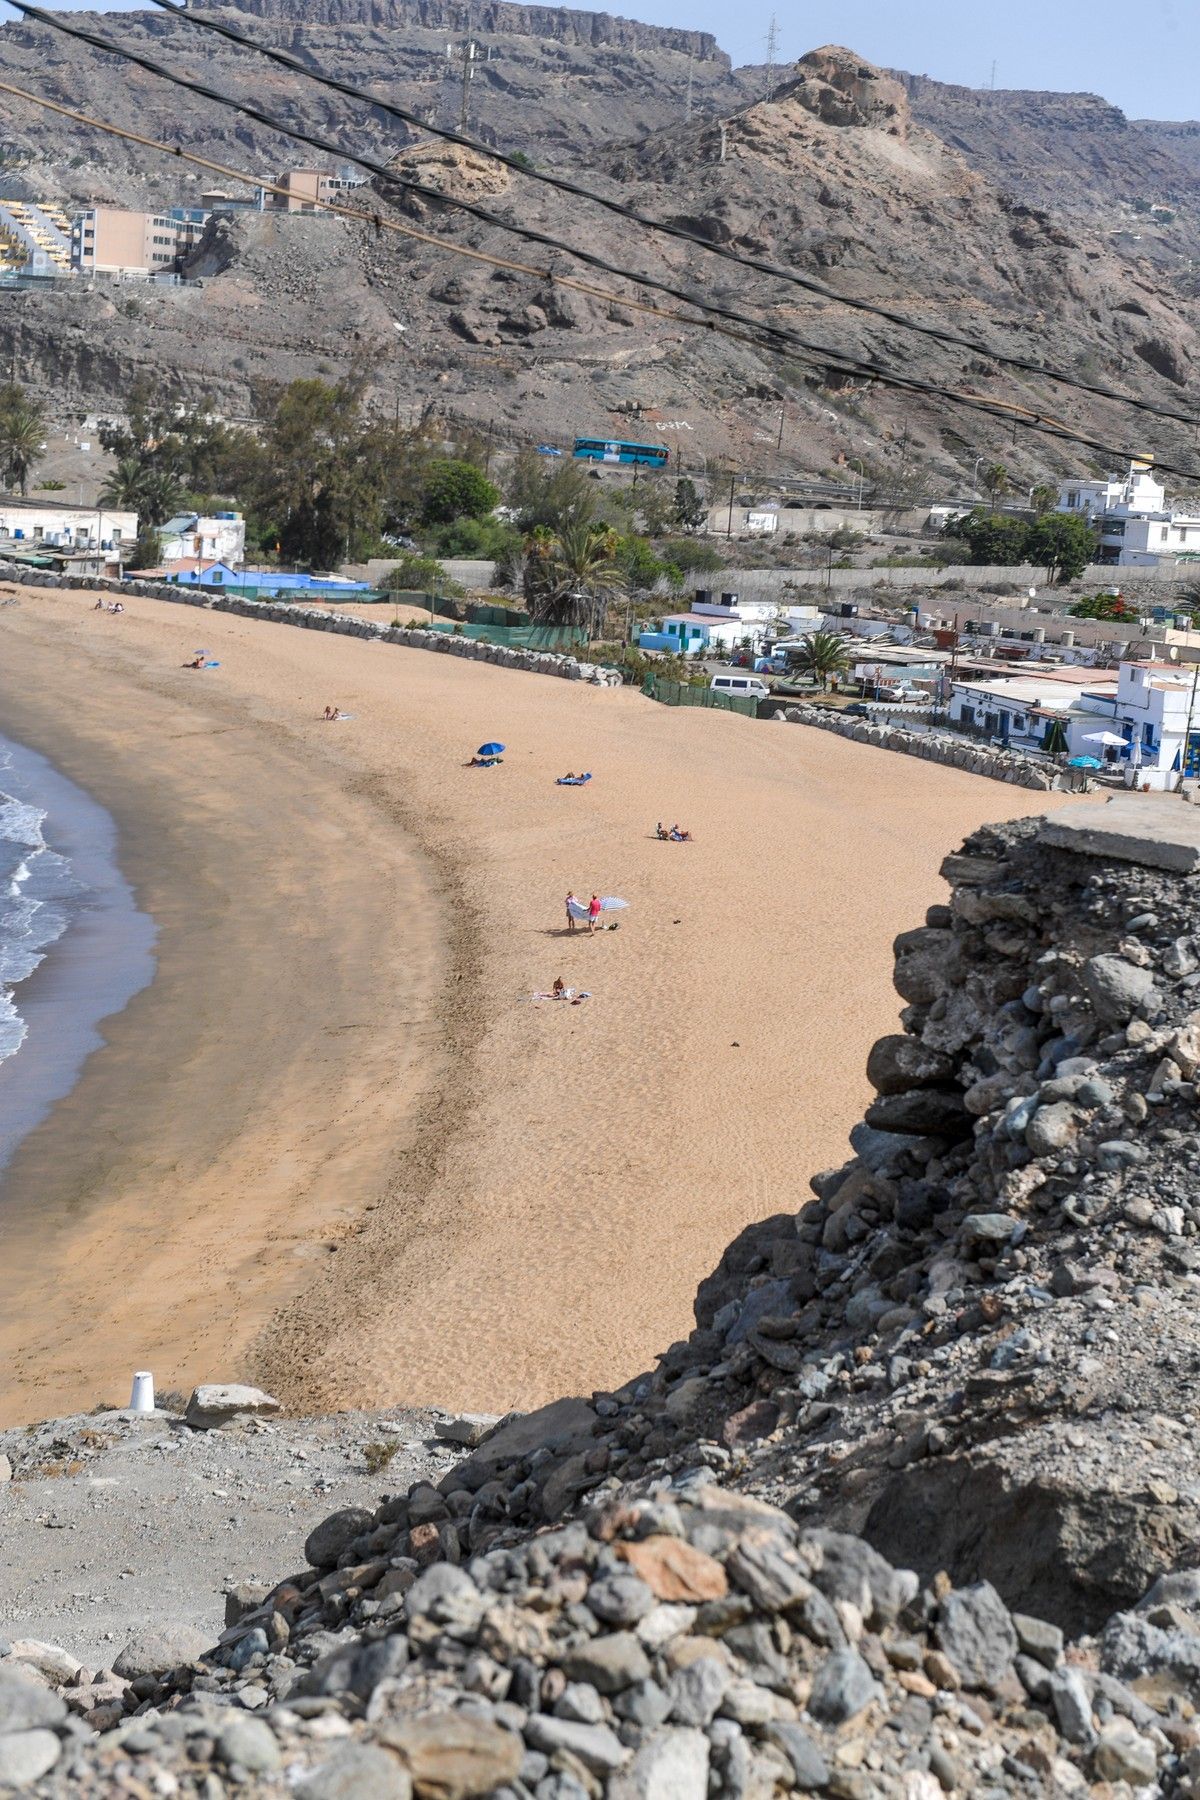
(822, 654)
(147, 548)
(161, 496)
(456, 490)
(690, 509)
(1100, 606)
(1043, 498)
(571, 575)
(548, 492)
(992, 538)
(639, 565)
(995, 480)
(123, 485)
(693, 557)
(421, 575)
(22, 432)
(1063, 545)
(476, 537)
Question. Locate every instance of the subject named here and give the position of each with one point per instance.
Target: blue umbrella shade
(489, 750)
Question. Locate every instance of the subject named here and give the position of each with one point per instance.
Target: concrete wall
(768, 583)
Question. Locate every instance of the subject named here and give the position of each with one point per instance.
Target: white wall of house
(1151, 707)
(208, 539)
(66, 527)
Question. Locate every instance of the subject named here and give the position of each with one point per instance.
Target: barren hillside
(835, 177)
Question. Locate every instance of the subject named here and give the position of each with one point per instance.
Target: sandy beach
(335, 1146)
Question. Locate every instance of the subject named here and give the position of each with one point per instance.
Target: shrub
(454, 490)
(378, 1455)
(420, 574)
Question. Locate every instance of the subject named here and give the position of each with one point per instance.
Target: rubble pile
(678, 1641)
(912, 1512)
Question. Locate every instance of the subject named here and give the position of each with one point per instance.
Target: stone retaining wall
(943, 747)
(311, 618)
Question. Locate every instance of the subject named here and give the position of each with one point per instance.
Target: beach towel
(571, 780)
(579, 908)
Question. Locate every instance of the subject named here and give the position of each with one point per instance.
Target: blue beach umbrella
(489, 750)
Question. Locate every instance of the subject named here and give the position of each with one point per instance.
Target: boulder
(150, 1652)
(325, 1543)
(214, 1404)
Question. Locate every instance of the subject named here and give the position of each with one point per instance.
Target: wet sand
(335, 1146)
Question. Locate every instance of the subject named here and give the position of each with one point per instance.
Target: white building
(1135, 523)
(219, 537)
(1021, 709)
(1152, 710)
(31, 522)
(714, 624)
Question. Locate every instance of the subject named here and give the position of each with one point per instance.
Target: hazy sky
(1143, 58)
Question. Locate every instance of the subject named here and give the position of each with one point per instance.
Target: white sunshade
(1106, 737)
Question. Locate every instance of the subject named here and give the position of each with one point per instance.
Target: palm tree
(162, 496)
(571, 576)
(21, 429)
(995, 480)
(822, 654)
(123, 487)
(1042, 498)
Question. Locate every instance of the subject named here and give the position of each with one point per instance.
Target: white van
(747, 686)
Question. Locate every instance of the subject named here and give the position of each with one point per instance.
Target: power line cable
(940, 334)
(743, 329)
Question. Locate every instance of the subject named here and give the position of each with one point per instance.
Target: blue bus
(649, 456)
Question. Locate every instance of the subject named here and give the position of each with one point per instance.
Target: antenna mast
(468, 76)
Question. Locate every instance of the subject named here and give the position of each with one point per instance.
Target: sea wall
(312, 618)
(931, 746)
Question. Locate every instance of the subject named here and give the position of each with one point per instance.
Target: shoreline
(103, 957)
(105, 1203)
(336, 1148)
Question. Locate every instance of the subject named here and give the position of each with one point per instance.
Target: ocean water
(74, 945)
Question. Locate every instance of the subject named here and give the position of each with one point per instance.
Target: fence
(516, 637)
(681, 693)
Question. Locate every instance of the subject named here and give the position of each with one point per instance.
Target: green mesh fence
(681, 693)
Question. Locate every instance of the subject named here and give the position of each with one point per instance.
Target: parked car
(860, 709)
(748, 686)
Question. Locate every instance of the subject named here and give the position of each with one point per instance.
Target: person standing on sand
(593, 912)
(571, 901)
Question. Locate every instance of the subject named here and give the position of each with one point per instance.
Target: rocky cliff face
(1075, 155)
(594, 30)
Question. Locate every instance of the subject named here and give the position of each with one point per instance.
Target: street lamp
(975, 472)
(856, 462)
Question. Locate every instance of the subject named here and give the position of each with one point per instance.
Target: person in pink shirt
(593, 911)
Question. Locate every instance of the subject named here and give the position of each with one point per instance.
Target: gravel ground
(112, 1522)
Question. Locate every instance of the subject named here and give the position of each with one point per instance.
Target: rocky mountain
(1077, 156)
(836, 177)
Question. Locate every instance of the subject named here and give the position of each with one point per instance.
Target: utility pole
(779, 439)
(468, 76)
(687, 105)
(722, 128)
(993, 75)
(772, 49)
(732, 496)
